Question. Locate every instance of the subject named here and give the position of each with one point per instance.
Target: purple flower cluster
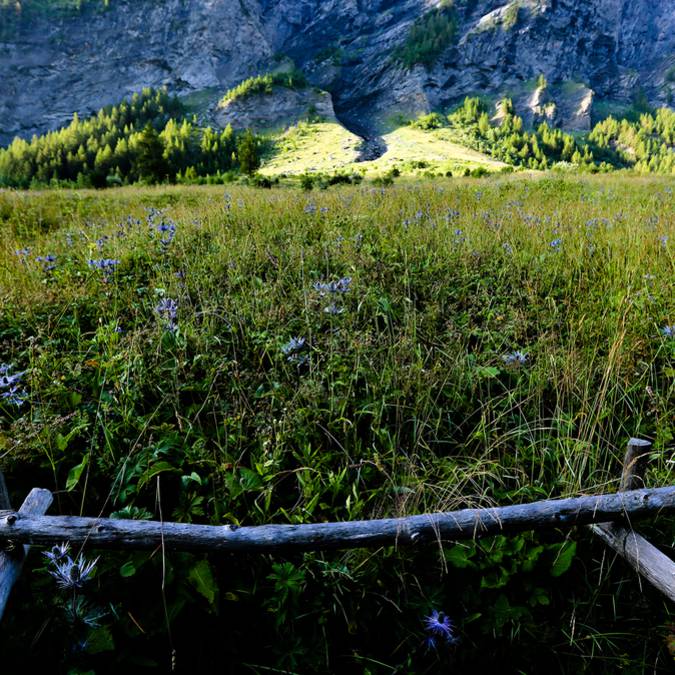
(515, 358)
(440, 630)
(69, 573)
(333, 289)
(10, 386)
(167, 309)
(106, 265)
(293, 351)
(165, 229)
(48, 262)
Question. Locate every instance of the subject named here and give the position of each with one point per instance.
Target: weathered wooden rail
(24, 528)
(609, 516)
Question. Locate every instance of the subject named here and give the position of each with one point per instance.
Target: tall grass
(408, 395)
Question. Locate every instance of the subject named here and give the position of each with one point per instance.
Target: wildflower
(508, 249)
(10, 386)
(167, 230)
(340, 286)
(333, 309)
(168, 310)
(664, 240)
(71, 573)
(555, 244)
(22, 253)
(57, 553)
(106, 265)
(100, 243)
(310, 208)
(514, 358)
(293, 351)
(295, 344)
(48, 262)
(668, 331)
(440, 629)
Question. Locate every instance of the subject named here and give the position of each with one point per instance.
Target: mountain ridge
(55, 63)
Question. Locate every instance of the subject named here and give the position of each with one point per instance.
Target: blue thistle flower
(333, 309)
(167, 309)
(106, 265)
(57, 553)
(440, 629)
(515, 358)
(293, 349)
(73, 574)
(332, 287)
(295, 344)
(48, 262)
(10, 390)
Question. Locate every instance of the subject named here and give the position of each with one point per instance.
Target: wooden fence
(608, 516)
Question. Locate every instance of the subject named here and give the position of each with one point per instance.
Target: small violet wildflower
(293, 349)
(106, 265)
(168, 310)
(668, 331)
(440, 630)
(10, 390)
(340, 286)
(333, 309)
(516, 358)
(48, 262)
(69, 572)
(72, 574)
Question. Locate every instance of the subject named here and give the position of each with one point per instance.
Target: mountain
(376, 58)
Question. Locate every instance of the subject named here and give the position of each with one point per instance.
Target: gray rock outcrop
(54, 63)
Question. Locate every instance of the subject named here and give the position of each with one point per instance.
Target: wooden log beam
(451, 526)
(647, 560)
(11, 559)
(650, 563)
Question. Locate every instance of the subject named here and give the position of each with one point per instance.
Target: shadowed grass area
(351, 353)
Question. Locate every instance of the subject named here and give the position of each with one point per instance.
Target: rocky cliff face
(53, 64)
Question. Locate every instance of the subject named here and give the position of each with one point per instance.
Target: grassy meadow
(413, 151)
(233, 355)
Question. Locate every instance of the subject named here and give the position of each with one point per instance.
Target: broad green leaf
(75, 474)
(201, 577)
(128, 569)
(459, 556)
(100, 640)
(564, 559)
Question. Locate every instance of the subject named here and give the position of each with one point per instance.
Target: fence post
(647, 560)
(11, 561)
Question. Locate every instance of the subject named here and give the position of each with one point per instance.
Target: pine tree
(149, 162)
(247, 153)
